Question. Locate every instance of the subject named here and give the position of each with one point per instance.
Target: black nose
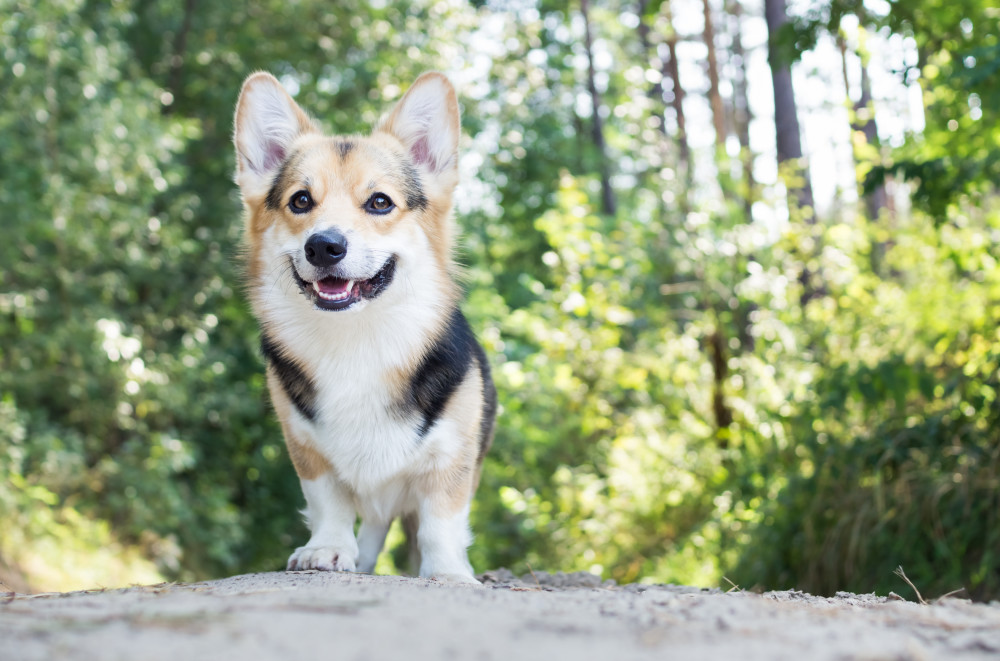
(326, 248)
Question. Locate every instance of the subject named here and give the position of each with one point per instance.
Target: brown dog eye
(379, 203)
(301, 202)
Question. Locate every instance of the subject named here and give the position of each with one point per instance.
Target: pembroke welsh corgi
(384, 395)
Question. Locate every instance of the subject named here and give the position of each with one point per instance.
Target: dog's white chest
(361, 430)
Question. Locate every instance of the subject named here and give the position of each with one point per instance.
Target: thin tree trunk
(741, 107)
(842, 45)
(789, 143)
(656, 90)
(876, 200)
(607, 194)
(720, 370)
(741, 121)
(672, 71)
(863, 122)
(714, 96)
(786, 122)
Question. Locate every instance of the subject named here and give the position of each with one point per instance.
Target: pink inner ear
(274, 155)
(421, 153)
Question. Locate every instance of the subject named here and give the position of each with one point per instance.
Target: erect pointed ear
(267, 122)
(426, 121)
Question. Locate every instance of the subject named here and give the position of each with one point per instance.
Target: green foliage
(598, 480)
(108, 361)
(897, 455)
(686, 391)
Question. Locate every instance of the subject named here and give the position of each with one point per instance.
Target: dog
(383, 393)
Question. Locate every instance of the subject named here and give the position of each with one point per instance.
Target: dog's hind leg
(371, 538)
(411, 523)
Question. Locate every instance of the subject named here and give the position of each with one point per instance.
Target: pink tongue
(332, 285)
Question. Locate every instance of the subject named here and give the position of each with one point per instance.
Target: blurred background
(735, 265)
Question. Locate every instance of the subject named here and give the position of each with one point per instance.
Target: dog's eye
(379, 203)
(301, 202)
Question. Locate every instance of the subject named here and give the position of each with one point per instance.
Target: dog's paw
(467, 579)
(323, 558)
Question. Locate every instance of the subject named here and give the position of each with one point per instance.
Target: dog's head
(346, 218)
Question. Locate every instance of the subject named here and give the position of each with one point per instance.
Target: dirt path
(345, 617)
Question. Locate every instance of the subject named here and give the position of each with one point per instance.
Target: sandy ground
(347, 617)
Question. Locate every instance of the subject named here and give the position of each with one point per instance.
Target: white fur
(330, 515)
(442, 542)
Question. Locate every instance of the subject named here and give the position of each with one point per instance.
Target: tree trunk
(671, 70)
(876, 200)
(714, 96)
(786, 122)
(741, 106)
(607, 194)
(656, 90)
(863, 122)
(720, 370)
(789, 143)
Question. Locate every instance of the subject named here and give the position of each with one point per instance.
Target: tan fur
(435, 220)
(309, 463)
(369, 166)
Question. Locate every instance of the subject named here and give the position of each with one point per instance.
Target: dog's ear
(426, 121)
(267, 122)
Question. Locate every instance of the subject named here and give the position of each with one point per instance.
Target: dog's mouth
(333, 293)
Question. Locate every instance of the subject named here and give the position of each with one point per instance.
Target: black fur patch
(442, 370)
(275, 197)
(344, 148)
(294, 381)
(413, 189)
(486, 425)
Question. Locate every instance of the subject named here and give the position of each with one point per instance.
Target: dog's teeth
(334, 297)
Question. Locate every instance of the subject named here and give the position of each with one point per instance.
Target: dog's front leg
(330, 514)
(443, 536)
